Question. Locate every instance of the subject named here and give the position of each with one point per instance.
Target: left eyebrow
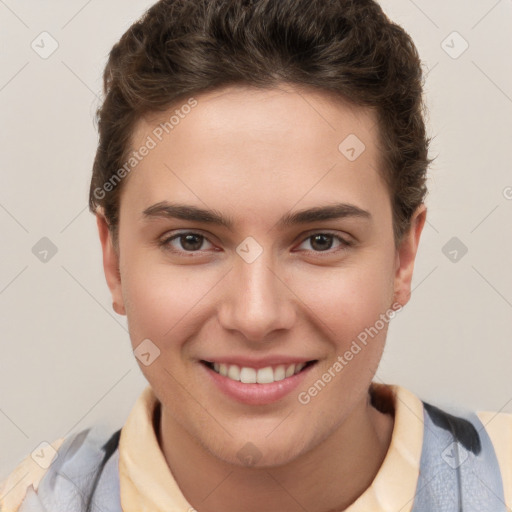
(164, 209)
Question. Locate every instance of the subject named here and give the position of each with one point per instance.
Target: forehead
(270, 146)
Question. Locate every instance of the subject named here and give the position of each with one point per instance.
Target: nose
(258, 301)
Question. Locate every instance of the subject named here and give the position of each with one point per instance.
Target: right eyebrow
(164, 209)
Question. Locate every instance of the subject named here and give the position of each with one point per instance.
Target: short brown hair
(183, 47)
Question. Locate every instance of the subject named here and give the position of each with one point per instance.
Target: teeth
(265, 375)
(279, 373)
(248, 375)
(234, 372)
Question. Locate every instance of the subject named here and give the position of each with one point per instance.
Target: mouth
(267, 375)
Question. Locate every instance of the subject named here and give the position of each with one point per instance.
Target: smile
(266, 375)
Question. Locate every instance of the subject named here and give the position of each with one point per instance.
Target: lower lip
(257, 394)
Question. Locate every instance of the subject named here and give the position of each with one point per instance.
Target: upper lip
(249, 362)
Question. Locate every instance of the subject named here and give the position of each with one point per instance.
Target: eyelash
(345, 244)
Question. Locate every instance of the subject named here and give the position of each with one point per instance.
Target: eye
(188, 242)
(323, 242)
(192, 242)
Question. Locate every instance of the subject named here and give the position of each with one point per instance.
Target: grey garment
(107, 497)
(71, 479)
(459, 471)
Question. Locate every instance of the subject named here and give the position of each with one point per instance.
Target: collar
(146, 482)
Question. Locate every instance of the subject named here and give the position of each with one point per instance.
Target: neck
(327, 478)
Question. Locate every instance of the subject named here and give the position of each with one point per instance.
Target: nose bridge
(257, 301)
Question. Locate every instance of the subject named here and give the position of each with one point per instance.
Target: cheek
(352, 308)
(347, 299)
(165, 301)
(162, 301)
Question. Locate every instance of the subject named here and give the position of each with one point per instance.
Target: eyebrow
(167, 210)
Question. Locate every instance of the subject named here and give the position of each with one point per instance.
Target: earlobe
(110, 264)
(406, 256)
(118, 309)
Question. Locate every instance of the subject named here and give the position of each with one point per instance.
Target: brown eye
(184, 242)
(323, 242)
(191, 242)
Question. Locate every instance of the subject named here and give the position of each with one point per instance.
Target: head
(255, 112)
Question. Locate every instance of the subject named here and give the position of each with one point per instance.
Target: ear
(406, 256)
(110, 264)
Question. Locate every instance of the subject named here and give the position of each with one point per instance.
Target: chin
(260, 452)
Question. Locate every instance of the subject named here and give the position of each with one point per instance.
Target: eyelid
(344, 242)
(169, 236)
(345, 237)
(165, 240)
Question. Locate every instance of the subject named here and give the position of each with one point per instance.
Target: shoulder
(29, 473)
(77, 456)
(498, 425)
(483, 439)
(499, 428)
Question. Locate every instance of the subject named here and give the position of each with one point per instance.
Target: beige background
(66, 361)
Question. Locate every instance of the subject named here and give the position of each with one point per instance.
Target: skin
(255, 155)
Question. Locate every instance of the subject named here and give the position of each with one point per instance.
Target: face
(290, 263)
